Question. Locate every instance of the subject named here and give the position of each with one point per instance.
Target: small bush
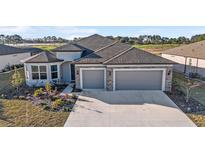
(46, 107)
(38, 92)
(48, 87)
(57, 103)
(74, 96)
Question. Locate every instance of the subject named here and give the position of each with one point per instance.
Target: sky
(69, 32)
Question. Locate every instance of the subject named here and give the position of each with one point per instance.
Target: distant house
(12, 55)
(189, 58)
(100, 63)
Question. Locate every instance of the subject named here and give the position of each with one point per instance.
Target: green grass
(156, 48)
(198, 93)
(48, 47)
(16, 113)
(5, 79)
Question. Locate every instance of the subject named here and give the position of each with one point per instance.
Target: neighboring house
(189, 58)
(12, 55)
(97, 62)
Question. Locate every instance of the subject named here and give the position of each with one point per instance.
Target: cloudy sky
(82, 31)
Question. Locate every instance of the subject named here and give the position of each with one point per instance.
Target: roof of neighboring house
(195, 50)
(43, 57)
(32, 49)
(137, 56)
(7, 50)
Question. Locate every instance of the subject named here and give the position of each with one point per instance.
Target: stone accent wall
(109, 77)
(77, 77)
(168, 82)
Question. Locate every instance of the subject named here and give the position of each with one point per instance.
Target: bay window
(54, 71)
(39, 72)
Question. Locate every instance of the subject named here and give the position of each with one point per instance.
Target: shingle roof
(94, 42)
(43, 57)
(6, 50)
(104, 54)
(71, 47)
(195, 50)
(32, 49)
(86, 45)
(137, 56)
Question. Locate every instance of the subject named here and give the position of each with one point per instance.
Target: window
(39, 72)
(35, 73)
(54, 71)
(43, 73)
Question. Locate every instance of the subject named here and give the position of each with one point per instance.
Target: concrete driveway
(126, 108)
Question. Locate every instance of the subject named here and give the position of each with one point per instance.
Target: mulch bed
(193, 106)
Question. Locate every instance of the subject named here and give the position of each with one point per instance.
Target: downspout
(197, 63)
(185, 65)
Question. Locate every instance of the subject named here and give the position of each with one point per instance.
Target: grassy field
(17, 113)
(47, 47)
(5, 79)
(156, 48)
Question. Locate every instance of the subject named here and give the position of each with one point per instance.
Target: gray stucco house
(100, 63)
(10, 55)
(188, 58)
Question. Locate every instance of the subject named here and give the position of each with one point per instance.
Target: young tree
(188, 86)
(16, 80)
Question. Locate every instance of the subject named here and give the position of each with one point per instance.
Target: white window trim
(142, 69)
(39, 72)
(54, 71)
(81, 77)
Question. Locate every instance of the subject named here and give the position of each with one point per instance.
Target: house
(189, 58)
(13, 55)
(98, 62)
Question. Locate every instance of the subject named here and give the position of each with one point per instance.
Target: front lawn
(20, 113)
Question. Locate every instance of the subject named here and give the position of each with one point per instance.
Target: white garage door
(138, 80)
(93, 79)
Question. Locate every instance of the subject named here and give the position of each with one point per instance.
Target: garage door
(138, 80)
(93, 79)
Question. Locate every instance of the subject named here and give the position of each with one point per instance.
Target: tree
(16, 80)
(187, 87)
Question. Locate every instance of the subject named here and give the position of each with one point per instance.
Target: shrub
(38, 92)
(74, 96)
(48, 87)
(57, 103)
(46, 107)
(16, 80)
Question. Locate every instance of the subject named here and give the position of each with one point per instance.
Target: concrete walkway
(67, 90)
(126, 108)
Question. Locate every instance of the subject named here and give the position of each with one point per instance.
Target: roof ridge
(121, 53)
(29, 58)
(106, 46)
